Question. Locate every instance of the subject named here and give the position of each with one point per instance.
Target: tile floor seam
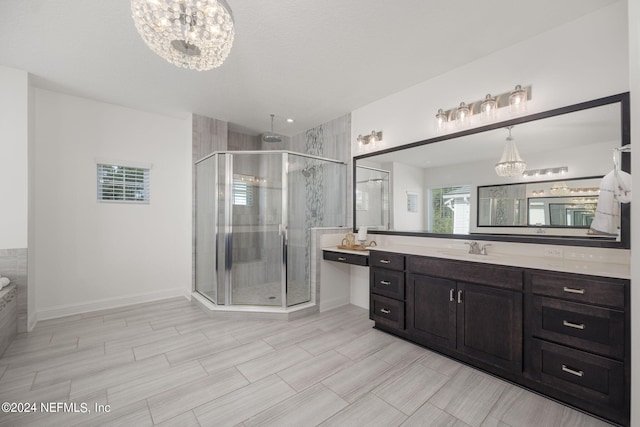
(329, 331)
(493, 406)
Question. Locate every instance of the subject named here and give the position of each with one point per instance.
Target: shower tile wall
(207, 135)
(242, 141)
(13, 264)
(317, 189)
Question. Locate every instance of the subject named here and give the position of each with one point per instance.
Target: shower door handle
(282, 231)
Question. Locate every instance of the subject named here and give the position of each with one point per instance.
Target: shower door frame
(223, 235)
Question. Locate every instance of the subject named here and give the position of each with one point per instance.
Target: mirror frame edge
(625, 216)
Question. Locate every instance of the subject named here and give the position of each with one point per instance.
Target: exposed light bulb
(518, 100)
(462, 115)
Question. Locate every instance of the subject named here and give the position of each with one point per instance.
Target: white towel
(4, 281)
(615, 188)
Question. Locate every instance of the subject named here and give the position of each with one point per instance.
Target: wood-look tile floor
(168, 363)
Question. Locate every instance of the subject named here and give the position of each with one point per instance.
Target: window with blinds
(123, 184)
(242, 191)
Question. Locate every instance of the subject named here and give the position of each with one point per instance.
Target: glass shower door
(206, 281)
(256, 229)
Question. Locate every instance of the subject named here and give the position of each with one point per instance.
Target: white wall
(13, 158)
(634, 79)
(406, 178)
(92, 255)
(579, 61)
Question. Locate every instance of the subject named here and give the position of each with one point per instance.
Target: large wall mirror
(448, 186)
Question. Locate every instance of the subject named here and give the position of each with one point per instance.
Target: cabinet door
(489, 323)
(431, 310)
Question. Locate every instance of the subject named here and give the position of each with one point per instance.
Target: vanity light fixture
(193, 34)
(518, 100)
(441, 120)
(560, 170)
(511, 164)
(488, 108)
(560, 189)
(462, 115)
(368, 139)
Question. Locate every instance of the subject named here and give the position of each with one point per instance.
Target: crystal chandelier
(511, 164)
(194, 34)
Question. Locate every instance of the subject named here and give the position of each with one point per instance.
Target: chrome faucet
(476, 248)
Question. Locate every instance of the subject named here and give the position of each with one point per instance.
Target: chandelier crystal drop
(511, 164)
(193, 34)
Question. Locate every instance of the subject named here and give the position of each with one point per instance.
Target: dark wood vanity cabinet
(561, 334)
(387, 290)
(481, 322)
(347, 258)
(578, 340)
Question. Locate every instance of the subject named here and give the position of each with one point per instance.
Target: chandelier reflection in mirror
(193, 34)
(511, 164)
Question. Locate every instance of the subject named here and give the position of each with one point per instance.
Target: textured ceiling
(307, 59)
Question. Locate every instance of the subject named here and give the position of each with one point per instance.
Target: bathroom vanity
(562, 334)
(547, 306)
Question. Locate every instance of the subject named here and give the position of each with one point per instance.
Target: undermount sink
(463, 254)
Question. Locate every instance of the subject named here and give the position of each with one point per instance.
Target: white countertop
(583, 265)
(571, 264)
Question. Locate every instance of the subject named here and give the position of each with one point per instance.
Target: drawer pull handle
(385, 311)
(385, 261)
(385, 282)
(459, 297)
(572, 371)
(573, 325)
(574, 291)
(451, 297)
(341, 258)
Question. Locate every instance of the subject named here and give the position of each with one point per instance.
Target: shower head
(271, 137)
(308, 171)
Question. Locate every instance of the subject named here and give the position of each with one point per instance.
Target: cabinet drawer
(474, 272)
(597, 380)
(578, 288)
(590, 328)
(387, 282)
(346, 258)
(387, 260)
(387, 311)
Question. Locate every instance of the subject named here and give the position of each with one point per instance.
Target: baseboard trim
(107, 303)
(333, 303)
(32, 321)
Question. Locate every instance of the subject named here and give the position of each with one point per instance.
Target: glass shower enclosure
(254, 212)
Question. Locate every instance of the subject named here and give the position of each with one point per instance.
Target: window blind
(242, 192)
(123, 184)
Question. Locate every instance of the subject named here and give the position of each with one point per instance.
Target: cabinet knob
(572, 371)
(385, 311)
(451, 297)
(573, 325)
(459, 297)
(341, 258)
(574, 291)
(385, 282)
(385, 261)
